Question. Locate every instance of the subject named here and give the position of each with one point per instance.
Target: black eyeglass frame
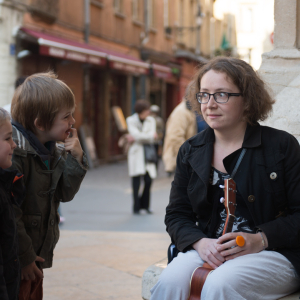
(228, 95)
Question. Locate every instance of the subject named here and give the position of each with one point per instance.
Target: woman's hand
(227, 247)
(208, 252)
(130, 139)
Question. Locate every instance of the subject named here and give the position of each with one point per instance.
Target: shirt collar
(252, 137)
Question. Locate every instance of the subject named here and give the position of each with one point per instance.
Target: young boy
(9, 262)
(42, 112)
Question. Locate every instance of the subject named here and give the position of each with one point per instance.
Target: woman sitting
(232, 99)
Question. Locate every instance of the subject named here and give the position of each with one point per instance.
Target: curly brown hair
(257, 99)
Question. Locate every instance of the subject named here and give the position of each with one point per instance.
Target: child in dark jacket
(42, 112)
(9, 196)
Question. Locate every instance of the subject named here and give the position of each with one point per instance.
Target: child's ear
(37, 125)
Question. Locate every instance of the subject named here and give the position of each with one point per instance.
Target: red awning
(71, 50)
(66, 49)
(124, 64)
(161, 71)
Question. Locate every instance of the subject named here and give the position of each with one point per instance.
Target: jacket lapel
(244, 176)
(200, 155)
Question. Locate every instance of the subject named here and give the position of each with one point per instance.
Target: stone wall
(281, 68)
(10, 18)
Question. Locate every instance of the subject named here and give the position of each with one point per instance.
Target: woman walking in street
(142, 128)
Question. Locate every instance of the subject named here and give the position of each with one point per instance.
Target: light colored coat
(181, 126)
(143, 133)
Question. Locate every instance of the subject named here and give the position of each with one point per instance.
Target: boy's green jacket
(37, 217)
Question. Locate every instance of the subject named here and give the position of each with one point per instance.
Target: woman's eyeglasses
(220, 97)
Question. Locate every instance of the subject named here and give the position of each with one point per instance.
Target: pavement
(104, 249)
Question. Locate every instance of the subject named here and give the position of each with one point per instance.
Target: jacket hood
(25, 146)
(34, 141)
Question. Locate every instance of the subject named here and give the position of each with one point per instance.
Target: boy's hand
(73, 146)
(29, 272)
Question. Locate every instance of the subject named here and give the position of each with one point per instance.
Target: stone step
(151, 275)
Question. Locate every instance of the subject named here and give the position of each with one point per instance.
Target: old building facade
(111, 53)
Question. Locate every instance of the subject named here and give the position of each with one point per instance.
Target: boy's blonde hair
(4, 116)
(41, 96)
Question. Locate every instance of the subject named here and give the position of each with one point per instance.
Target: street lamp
(199, 17)
(199, 21)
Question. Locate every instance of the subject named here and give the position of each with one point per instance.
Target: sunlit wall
(254, 24)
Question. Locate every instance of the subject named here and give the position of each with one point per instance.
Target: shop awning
(66, 49)
(161, 71)
(71, 50)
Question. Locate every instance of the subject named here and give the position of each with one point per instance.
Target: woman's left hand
(229, 249)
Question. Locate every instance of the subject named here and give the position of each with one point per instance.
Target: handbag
(150, 153)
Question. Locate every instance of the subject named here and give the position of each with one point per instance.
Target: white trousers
(266, 275)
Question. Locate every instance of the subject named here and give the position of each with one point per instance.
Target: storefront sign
(161, 71)
(127, 67)
(85, 53)
(72, 55)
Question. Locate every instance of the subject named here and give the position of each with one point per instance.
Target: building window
(181, 13)
(136, 10)
(166, 13)
(192, 14)
(98, 3)
(118, 6)
(150, 13)
(181, 21)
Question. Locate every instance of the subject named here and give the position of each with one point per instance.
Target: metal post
(146, 24)
(198, 30)
(86, 20)
(144, 41)
(86, 70)
(146, 21)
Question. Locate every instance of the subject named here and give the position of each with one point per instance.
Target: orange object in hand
(240, 241)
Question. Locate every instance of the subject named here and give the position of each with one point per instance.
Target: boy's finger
(38, 258)
(69, 146)
(38, 272)
(31, 276)
(74, 133)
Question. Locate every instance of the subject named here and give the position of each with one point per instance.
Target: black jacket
(9, 262)
(274, 203)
